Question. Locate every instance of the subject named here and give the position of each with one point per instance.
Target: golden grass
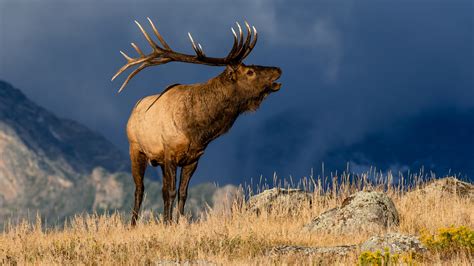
(230, 238)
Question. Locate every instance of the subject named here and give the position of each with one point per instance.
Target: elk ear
(232, 71)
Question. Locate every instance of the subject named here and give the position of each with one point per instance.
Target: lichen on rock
(369, 212)
(396, 243)
(312, 251)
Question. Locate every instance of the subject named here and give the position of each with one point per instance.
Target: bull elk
(172, 129)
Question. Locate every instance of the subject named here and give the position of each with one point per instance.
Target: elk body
(172, 129)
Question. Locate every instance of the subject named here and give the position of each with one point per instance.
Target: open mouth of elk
(275, 86)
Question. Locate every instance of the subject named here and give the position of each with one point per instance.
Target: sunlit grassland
(231, 234)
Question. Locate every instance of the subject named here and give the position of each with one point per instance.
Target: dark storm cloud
(349, 68)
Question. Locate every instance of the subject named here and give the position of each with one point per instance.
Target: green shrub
(376, 258)
(450, 239)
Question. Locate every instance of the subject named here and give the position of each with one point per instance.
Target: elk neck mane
(214, 106)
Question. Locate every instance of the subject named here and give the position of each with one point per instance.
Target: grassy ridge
(232, 234)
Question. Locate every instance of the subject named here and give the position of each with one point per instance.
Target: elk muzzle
(275, 86)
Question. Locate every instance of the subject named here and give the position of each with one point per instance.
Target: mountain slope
(44, 133)
(59, 167)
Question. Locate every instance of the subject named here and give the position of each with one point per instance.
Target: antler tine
(158, 35)
(241, 34)
(128, 58)
(252, 45)
(130, 63)
(200, 49)
(138, 69)
(249, 34)
(148, 38)
(195, 47)
(239, 45)
(152, 62)
(139, 51)
(244, 47)
(234, 46)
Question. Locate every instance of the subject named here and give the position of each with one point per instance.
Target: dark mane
(159, 95)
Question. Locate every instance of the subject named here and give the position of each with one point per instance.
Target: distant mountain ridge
(59, 167)
(45, 133)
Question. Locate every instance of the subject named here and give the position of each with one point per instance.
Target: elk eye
(250, 73)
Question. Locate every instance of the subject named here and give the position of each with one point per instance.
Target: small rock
(323, 251)
(184, 263)
(394, 242)
(288, 201)
(370, 212)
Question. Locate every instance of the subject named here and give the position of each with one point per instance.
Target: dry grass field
(232, 235)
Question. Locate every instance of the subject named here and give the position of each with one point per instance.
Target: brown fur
(173, 129)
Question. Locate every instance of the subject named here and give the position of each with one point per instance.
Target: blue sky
(350, 69)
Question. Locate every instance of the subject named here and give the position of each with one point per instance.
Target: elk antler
(162, 55)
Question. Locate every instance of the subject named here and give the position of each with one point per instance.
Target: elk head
(253, 83)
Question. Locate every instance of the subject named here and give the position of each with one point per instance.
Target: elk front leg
(138, 161)
(169, 190)
(186, 174)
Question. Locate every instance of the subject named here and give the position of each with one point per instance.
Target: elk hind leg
(138, 160)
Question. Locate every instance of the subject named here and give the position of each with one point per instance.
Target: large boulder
(394, 243)
(369, 212)
(279, 200)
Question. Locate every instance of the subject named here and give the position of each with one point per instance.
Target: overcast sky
(350, 68)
